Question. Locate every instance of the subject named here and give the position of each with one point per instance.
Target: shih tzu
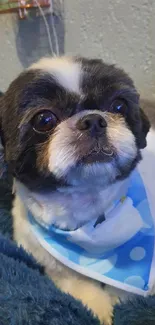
(72, 132)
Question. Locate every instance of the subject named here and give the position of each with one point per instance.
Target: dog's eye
(119, 106)
(44, 121)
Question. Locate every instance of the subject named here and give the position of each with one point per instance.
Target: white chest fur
(71, 207)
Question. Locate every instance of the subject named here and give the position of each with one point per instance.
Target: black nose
(94, 123)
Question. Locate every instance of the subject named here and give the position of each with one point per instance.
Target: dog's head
(72, 121)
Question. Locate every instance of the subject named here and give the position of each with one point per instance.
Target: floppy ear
(145, 127)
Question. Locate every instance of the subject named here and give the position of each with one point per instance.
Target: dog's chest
(70, 208)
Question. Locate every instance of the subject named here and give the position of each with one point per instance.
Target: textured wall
(24, 41)
(119, 31)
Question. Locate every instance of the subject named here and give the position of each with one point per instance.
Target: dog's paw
(93, 296)
(105, 313)
(102, 307)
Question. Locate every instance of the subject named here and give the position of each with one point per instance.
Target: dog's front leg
(91, 294)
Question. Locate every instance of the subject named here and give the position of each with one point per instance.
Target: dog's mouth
(105, 154)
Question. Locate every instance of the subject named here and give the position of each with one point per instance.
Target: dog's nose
(94, 123)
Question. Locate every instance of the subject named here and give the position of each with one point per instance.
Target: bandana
(119, 251)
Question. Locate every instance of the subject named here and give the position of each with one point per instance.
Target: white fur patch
(65, 70)
(62, 155)
(70, 207)
(123, 140)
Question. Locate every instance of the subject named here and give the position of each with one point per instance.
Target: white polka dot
(109, 263)
(137, 253)
(135, 281)
(101, 266)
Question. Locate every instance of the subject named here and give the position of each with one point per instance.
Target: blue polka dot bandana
(120, 250)
(123, 261)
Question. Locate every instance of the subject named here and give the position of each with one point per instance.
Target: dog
(72, 130)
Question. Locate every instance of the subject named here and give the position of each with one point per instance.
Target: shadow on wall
(31, 37)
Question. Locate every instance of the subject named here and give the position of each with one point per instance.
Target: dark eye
(44, 121)
(119, 106)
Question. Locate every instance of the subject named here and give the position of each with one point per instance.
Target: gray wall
(25, 41)
(119, 31)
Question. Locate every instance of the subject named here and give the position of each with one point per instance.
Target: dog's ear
(145, 127)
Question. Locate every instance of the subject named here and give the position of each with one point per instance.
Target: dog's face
(69, 121)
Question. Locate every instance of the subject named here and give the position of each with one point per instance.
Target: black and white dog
(72, 131)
